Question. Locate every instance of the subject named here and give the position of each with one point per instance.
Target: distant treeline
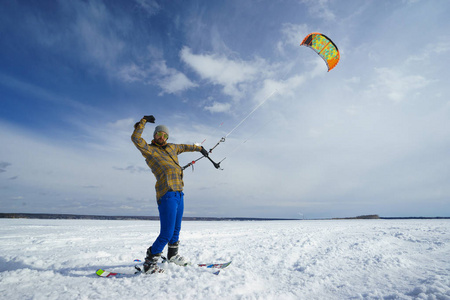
(152, 218)
(372, 217)
(414, 218)
(144, 218)
(360, 217)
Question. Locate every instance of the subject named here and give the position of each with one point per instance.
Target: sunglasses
(162, 134)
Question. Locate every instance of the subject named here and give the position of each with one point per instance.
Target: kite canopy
(324, 47)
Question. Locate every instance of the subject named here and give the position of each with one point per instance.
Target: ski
(215, 266)
(209, 266)
(110, 274)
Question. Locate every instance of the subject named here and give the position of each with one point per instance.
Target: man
(162, 158)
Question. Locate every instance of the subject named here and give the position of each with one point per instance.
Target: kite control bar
(216, 165)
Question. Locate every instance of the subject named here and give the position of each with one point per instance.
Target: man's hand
(204, 152)
(150, 119)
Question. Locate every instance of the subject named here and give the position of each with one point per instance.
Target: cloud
(292, 36)
(121, 124)
(90, 186)
(320, 9)
(217, 107)
(171, 80)
(439, 47)
(275, 88)
(221, 70)
(132, 169)
(3, 166)
(396, 86)
(150, 6)
(175, 83)
(156, 72)
(132, 73)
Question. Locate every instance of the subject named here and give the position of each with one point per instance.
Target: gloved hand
(150, 119)
(204, 151)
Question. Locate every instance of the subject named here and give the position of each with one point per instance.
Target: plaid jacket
(163, 161)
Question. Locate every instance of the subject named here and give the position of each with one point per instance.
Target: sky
(371, 136)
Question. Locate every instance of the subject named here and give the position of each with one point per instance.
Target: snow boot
(150, 264)
(174, 257)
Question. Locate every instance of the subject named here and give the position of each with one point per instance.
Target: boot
(174, 257)
(150, 264)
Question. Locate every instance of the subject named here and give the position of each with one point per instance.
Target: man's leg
(168, 217)
(178, 218)
(172, 251)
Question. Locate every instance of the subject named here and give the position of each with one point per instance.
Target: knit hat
(161, 128)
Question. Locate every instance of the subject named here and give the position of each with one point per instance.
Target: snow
(325, 259)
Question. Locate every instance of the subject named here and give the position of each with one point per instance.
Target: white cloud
(171, 80)
(396, 86)
(150, 6)
(122, 124)
(221, 70)
(320, 9)
(292, 36)
(175, 83)
(217, 107)
(132, 73)
(439, 47)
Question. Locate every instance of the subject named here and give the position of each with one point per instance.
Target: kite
(324, 47)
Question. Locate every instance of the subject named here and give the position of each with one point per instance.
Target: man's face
(161, 137)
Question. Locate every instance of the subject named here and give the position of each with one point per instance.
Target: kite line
(223, 139)
(318, 42)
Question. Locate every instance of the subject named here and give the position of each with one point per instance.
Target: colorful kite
(324, 47)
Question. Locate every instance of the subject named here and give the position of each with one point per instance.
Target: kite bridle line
(222, 140)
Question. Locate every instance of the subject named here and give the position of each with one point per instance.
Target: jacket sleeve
(188, 148)
(137, 139)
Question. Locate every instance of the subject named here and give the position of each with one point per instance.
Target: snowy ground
(351, 259)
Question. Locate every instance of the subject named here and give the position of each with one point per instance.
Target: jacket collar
(158, 145)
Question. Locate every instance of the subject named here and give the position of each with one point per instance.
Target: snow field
(338, 259)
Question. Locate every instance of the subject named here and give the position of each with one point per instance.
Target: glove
(150, 119)
(204, 152)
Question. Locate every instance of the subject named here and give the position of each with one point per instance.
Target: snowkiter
(162, 158)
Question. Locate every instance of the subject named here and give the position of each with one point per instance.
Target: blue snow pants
(171, 207)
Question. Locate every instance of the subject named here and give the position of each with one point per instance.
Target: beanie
(161, 128)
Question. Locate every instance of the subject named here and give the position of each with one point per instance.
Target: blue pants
(171, 207)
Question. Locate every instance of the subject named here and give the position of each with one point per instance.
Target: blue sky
(369, 137)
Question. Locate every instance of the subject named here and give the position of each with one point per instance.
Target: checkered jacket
(163, 161)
